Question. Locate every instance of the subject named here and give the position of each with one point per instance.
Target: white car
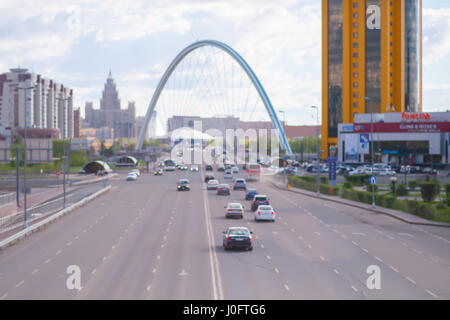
(194, 168)
(234, 169)
(387, 172)
(234, 209)
(212, 185)
(265, 212)
(228, 174)
(131, 176)
(136, 171)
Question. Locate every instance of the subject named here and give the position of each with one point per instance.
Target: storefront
(396, 138)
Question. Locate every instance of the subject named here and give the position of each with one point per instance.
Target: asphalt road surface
(145, 240)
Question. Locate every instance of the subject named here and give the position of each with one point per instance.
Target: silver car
(234, 209)
(212, 185)
(228, 174)
(265, 212)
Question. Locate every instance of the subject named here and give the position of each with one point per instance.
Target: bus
(253, 171)
(169, 165)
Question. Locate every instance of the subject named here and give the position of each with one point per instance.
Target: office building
(371, 61)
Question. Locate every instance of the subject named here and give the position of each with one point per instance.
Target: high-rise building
(76, 123)
(110, 114)
(371, 60)
(45, 104)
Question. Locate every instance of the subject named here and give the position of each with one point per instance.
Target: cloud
(436, 31)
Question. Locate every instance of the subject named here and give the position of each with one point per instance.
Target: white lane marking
(148, 288)
(262, 246)
(77, 237)
(162, 246)
(35, 271)
(126, 230)
(431, 293)
(378, 258)
(327, 225)
(392, 238)
(104, 258)
(20, 283)
(315, 217)
(403, 244)
(292, 230)
(165, 237)
(309, 213)
(317, 233)
(322, 258)
(300, 237)
(93, 271)
(410, 280)
(379, 231)
(268, 257)
(287, 287)
(167, 229)
(335, 230)
(84, 230)
(417, 251)
(285, 223)
(214, 264)
(59, 252)
(365, 250)
(277, 271)
(392, 268)
(158, 257)
(154, 270)
(120, 238)
(48, 260)
(355, 243)
(274, 232)
(405, 234)
(68, 243)
(358, 234)
(354, 289)
(343, 236)
(309, 246)
(336, 271)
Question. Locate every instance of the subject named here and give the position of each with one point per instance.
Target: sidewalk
(37, 196)
(402, 216)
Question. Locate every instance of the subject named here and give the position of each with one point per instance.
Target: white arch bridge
(245, 67)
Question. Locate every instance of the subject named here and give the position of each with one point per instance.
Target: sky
(77, 43)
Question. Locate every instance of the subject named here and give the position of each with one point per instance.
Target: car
(209, 177)
(194, 168)
(183, 184)
(234, 169)
(131, 177)
(223, 189)
(209, 167)
(212, 185)
(251, 193)
(239, 184)
(220, 167)
(386, 172)
(234, 209)
(264, 212)
(237, 237)
(228, 174)
(183, 167)
(158, 172)
(169, 168)
(138, 173)
(260, 200)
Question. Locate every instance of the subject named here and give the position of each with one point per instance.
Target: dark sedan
(251, 193)
(223, 189)
(238, 238)
(209, 177)
(183, 185)
(239, 184)
(259, 200)
(209, 167)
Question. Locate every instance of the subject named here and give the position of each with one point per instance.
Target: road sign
(332, 171)
(373, 180)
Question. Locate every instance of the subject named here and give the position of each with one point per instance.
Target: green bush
(369, 188)
(425, 210)
(429, 191)
(412, 184)
(358, 179)
(388, 201)
(441, 205)
(401, 190)
(447, 189)
(347, 185)
(324, 180)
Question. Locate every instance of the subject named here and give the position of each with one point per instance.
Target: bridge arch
(252, 76)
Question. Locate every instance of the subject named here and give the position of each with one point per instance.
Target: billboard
(364, 142)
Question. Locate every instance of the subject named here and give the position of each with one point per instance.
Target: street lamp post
(64, 154)
(284, 128)
(25, 223)
(318, 150)
(367, 99)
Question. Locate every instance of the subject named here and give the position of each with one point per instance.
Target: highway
(145, 240)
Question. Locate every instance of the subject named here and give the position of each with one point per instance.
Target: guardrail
(7, 198)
